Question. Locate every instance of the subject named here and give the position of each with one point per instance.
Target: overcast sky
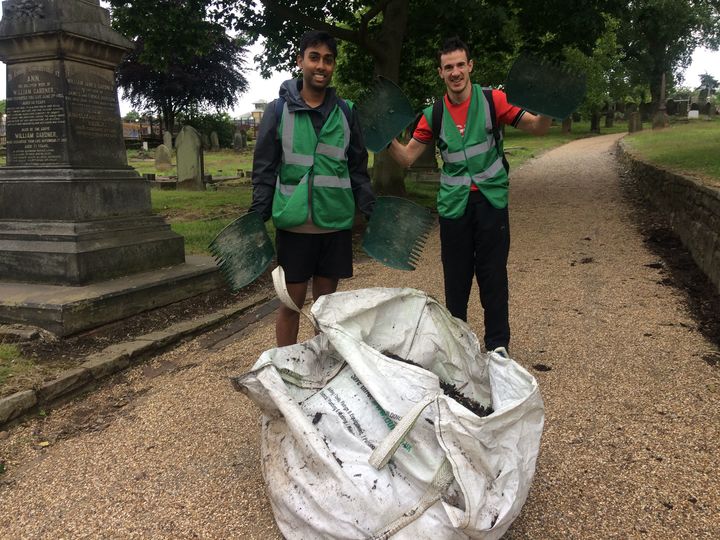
(703, 61)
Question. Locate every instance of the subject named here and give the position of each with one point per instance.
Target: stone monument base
(65, 310)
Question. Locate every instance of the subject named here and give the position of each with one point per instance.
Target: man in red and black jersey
(473, 196)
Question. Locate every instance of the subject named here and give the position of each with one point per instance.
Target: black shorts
(305, 255)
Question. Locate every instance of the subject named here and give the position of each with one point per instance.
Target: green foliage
(132, 116)
(603, 66)
(182, 59)
(3, 105)
(709, 82)
(221, 123)
(659, 37)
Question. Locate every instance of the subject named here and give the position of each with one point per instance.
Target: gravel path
(632, 430)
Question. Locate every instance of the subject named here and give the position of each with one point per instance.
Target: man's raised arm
(406, 154)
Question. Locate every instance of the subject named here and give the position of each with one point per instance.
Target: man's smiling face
(317, 64)
(455, 69)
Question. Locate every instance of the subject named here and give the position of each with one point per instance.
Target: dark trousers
(478, 243)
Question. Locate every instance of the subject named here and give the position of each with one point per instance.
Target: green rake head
(384, 113)
(243, 250)
(545, 87)
(397, 232)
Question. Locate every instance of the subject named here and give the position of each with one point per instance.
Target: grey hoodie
(268, 150)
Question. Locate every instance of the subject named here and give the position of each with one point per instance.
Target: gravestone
(204, 139)
(706, 108)
(682, 108)
(75, 219)
(214, 141)
(634, 122)
(163, 158)
(240, 140)
(189, 158)
(693, 114)
(167, 139)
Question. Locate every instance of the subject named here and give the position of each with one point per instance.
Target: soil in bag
(451, 390)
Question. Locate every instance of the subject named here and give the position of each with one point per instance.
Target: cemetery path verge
(631, 440)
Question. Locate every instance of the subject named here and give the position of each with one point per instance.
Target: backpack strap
(496, 130)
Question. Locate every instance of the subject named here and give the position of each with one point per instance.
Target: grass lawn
(691, 147)
(224, 162)
(11, 363)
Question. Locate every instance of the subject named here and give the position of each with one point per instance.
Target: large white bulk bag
(359, 444)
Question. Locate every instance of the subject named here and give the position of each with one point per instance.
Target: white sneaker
(502, 351)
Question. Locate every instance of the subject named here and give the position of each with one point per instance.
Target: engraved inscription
(35, 118)
(94, 126)
(91, 107)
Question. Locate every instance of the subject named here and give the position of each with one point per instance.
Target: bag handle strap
(389, 445)
(441, 481)
(278, 277)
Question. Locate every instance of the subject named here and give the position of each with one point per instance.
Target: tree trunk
(567, 125)
(388, 177)
(595, 122)
(610, 117)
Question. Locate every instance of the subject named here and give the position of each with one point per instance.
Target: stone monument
(163, 158)
(189, 159)
(72, 212)
(167, 139)
(239, 140)
(214, 141)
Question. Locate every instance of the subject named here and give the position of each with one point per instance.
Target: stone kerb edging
(115, 358)
(692, 208)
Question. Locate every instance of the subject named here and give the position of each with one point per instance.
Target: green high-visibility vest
(471, 158)
(314, 173)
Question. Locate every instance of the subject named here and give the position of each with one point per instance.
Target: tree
(659, 37)
(132, 116)
(605, 75)
(393, 38)
(182, 59)
(709, 82)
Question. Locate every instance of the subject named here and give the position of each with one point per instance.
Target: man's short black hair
(450, 45)
(317, 37)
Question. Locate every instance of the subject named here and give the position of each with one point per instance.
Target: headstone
(634, 122)
(240, 140)
(693, 115)
(204, 139)
(189, 157)
(145, 146)
(706, 108)
(671, 106)
(682, 108)
(163, 158)
(69, 197)
(214, 141)
(167, 139)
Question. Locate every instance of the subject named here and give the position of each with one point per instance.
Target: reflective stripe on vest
(289, 189)
(288, 136)
(465, 180)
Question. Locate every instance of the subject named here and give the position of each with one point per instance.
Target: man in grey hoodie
(309, 174)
